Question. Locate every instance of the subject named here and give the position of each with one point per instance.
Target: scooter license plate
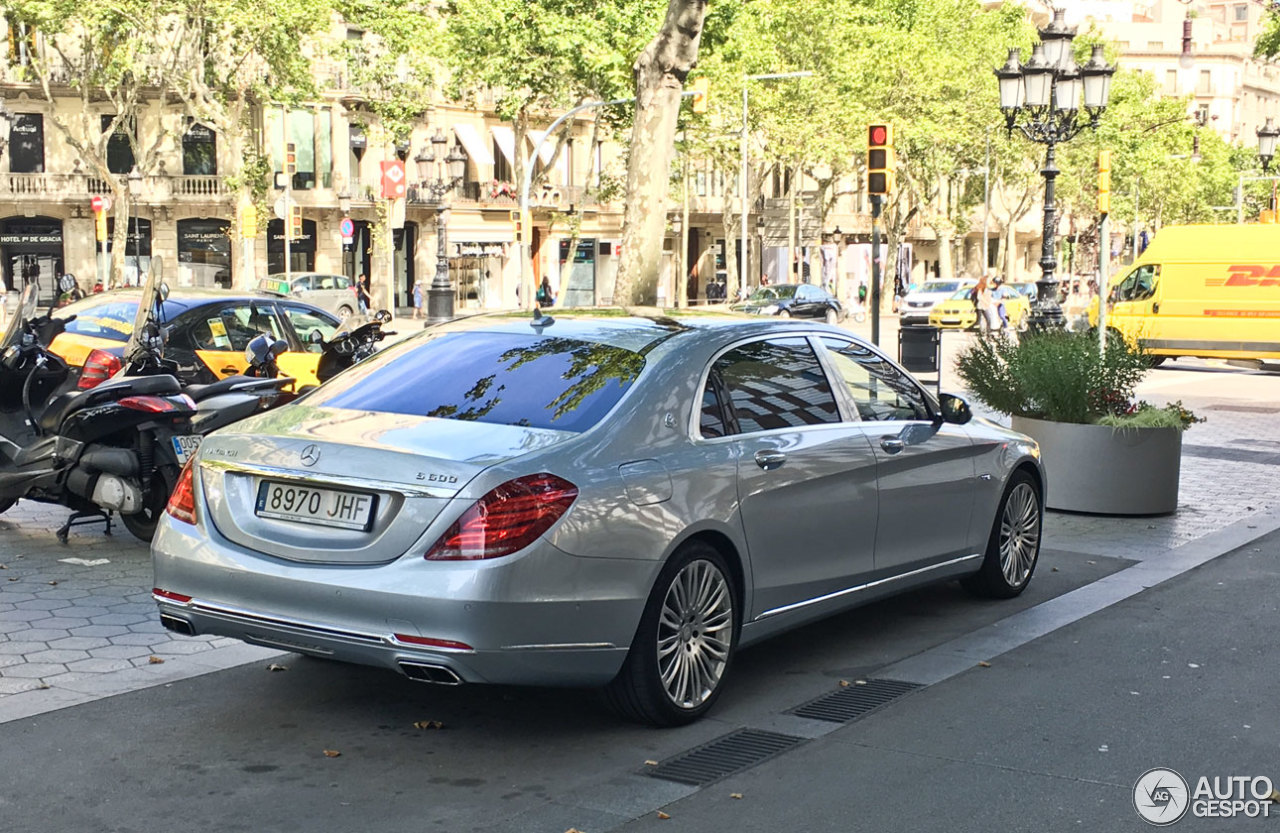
(185, 446)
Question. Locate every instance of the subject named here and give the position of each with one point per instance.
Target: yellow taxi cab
(208, 331)
(960, 313)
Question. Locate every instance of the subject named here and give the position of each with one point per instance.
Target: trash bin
(920, 348)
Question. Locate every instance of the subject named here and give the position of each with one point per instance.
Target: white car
(915, 308)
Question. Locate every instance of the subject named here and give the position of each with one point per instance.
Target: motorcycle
(347, 348)
(110, 449)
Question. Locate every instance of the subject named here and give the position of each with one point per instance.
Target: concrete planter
(1108, 471)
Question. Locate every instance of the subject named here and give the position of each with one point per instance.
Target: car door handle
(769, 460)
(1155, 307)
(892, 444)
(228, 371)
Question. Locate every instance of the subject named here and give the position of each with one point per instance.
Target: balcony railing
(73, 186)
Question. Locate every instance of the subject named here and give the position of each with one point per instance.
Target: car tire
(1013, 548)
(832, 317)
(143, 524)
(693, 612)
(784, 313)
(344, 311)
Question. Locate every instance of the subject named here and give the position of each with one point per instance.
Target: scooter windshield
(25, 312)
(147, 303)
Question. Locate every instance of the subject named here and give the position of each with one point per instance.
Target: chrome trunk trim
(363, 483)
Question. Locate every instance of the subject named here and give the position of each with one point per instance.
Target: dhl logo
(1247, 275)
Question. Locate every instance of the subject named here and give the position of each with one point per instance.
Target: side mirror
(163, 291)
(382, 316)
(315, 337)
(954, 409)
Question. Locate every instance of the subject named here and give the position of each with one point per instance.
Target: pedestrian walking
(363, 294)
(418, 291)
(986, 306)
(545, 297)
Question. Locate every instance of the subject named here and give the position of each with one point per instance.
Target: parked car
(793, 300)
(335, 293)
(208, 331)
(594, 500)
(918, 303)
(961, 312)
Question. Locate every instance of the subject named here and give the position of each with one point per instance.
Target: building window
(204, 253)
(199, 151)
(502, 169)
(1202, 85)
(1242, 13)
(26, 144)
(119, 147)
(1155, 46)
(1171, 82)
(311, 135)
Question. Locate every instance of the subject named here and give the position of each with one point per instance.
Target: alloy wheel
(1019, 534)
(695, 633)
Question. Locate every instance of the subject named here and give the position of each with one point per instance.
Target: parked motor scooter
(110, 449)
(347, 348)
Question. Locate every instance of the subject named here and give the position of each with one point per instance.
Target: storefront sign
(19, 238)
(479, 249)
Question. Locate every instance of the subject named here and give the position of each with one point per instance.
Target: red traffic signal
(878, 134)
(880, 161)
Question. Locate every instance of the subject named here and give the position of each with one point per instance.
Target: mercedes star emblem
(311, 455)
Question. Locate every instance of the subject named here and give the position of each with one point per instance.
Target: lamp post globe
(1267, 135)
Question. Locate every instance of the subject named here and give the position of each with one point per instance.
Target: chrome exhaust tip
(429, 673)
(177, 624)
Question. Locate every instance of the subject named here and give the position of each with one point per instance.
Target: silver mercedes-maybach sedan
(621, 501)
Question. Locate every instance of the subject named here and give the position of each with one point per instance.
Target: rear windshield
(112, 320)
(503, 378)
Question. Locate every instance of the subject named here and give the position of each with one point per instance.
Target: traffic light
(1104, 182)
(295, 222)
(290, 159)
(701, 92)
(880, 159)
(518, 226)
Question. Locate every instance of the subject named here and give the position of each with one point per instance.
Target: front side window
(306, 321)
(879, 390)
(503, 378)
(1138, 284)
(230, 327)
(776, 383)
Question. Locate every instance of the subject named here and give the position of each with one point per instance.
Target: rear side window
(113, 320)
(777, 383)
(509, 379)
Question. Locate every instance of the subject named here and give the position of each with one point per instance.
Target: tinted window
(508, 379)
(306, 321)
(879, 389)
(113, 320)
(230, 327)
(776, 383)
(711, 423)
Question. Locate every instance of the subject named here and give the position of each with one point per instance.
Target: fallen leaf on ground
(155, 660)
(984, 664)
(428, 724)
(331, 753)
(1053, 569)
(650, 763)
(844, 683)
(2, 567)
(15, 578)
(274, 667)
(663, 815)
(53, 584)
(859, 682)
(43, 685)
(573, 830)
(735, 795)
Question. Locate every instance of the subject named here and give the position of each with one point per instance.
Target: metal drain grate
(855, 701)
(723, 756)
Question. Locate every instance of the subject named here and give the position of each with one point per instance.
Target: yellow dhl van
(1202, 290)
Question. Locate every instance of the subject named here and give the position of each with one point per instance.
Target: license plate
(185, 446)
(314, 505)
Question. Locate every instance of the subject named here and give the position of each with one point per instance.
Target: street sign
(280, 208)
(347, 229)
(100, 203)
(393, 180)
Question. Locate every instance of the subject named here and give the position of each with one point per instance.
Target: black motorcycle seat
(199, 392)
(65, 404)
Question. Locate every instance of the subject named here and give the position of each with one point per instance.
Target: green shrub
(1053, 375)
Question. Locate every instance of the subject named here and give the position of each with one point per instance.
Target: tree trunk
(660, 72)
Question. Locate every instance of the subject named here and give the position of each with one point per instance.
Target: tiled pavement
(77, 621)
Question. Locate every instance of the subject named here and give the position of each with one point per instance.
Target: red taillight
(426, 641)
(507, 519)
(182, 503)
(155, 404)
(169, 595)
(99, 366)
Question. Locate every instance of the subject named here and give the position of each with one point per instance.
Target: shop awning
(506, 140)
(473, 145)
(548, 147)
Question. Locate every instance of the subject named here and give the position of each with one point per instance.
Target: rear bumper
(540, 617)
(913, 318)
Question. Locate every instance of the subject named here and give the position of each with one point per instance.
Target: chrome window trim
(860, 587)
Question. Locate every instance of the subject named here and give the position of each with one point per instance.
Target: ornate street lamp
(1050, 100)
(434, 184)
(1267, 135)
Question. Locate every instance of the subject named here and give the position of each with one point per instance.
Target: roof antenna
(539, 320)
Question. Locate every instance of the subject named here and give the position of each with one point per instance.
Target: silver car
(335, 293)
(612, 501)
